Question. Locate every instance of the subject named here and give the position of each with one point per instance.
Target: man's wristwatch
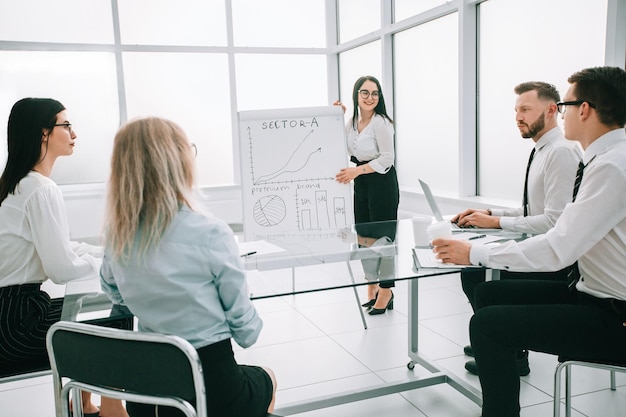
(489, 212)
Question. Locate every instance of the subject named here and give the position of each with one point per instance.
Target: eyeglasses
(561, 105)
(367, 94)
(194, 148)
(67, 126)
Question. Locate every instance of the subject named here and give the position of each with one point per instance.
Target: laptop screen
(431, 201)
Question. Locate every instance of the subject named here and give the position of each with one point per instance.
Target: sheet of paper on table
(258, 247)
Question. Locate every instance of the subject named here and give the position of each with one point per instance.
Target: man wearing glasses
(587, 318)
(547, 189)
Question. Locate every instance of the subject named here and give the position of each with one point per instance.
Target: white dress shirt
(35, 239)
(373, 144)
(550, 181)
(192, 284)
(592, 230)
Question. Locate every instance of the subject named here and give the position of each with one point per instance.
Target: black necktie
(573, 275)
(525, 202)
(578, 180)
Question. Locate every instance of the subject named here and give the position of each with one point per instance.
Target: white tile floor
(316, 345)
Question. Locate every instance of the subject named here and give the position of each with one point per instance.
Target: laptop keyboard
(456, 226)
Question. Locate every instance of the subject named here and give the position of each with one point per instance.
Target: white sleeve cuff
(479, 255)
(507, 222)
(376, 166)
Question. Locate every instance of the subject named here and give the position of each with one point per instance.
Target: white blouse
(34, 237)
(374, 144)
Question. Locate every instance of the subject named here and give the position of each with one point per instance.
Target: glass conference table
(382, 250)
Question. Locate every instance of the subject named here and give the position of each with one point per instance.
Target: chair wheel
(411, 365)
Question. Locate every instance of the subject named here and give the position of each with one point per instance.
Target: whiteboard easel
(289, 159)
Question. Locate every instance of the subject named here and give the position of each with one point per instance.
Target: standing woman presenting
(376, 194)
(34, 239)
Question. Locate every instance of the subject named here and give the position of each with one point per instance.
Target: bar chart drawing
(289, 159)
(324, 215)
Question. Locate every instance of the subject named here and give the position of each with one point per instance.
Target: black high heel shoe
(375, 311)
(371, 302)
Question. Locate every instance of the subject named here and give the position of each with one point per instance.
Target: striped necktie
(573, 275)
(578, 180)
(525, 201)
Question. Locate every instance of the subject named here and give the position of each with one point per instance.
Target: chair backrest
(147, 364)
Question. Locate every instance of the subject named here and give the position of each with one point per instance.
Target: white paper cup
(439, 230)
(420, 224)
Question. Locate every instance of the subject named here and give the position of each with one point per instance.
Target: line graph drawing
(295, 162)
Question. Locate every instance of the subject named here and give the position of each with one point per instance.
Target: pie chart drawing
(269, 211)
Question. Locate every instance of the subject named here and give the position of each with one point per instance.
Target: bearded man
(548, 183)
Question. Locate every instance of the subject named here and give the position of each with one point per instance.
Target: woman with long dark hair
(376, 193)
(34, 238)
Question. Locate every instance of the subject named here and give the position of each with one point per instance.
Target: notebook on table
(425, 257)
(437, 213)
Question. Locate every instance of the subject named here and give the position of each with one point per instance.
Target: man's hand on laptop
(476, 218)
(452, 251)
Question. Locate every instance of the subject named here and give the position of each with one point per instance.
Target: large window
(188, 22)
(523, 41)
(357, 17)
(447, 67)
(56, 21)
(284, 23)
(281, 81)
(196, 62)
(404, 9)
(355, 63)
(426, 105)
(86, 84)
(197, 98)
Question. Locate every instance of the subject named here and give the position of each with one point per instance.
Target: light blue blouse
(191, 285)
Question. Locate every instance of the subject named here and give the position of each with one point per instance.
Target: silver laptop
(437, 213)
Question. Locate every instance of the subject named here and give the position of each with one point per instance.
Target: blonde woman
(179, 270)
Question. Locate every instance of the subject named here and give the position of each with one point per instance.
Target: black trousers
(543, 316)
(471, 277)
(376, 199)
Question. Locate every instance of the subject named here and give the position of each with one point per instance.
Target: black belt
(13, 290)
(357, 162)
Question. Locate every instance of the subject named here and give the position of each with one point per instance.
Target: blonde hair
(152, 174)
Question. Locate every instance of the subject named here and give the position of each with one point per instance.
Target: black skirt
(232, 390)
(26, 314)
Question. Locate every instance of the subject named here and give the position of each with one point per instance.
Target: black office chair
(147, 368)
(566, 364)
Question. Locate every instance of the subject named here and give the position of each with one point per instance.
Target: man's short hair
(605, 88)
(544, 91)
